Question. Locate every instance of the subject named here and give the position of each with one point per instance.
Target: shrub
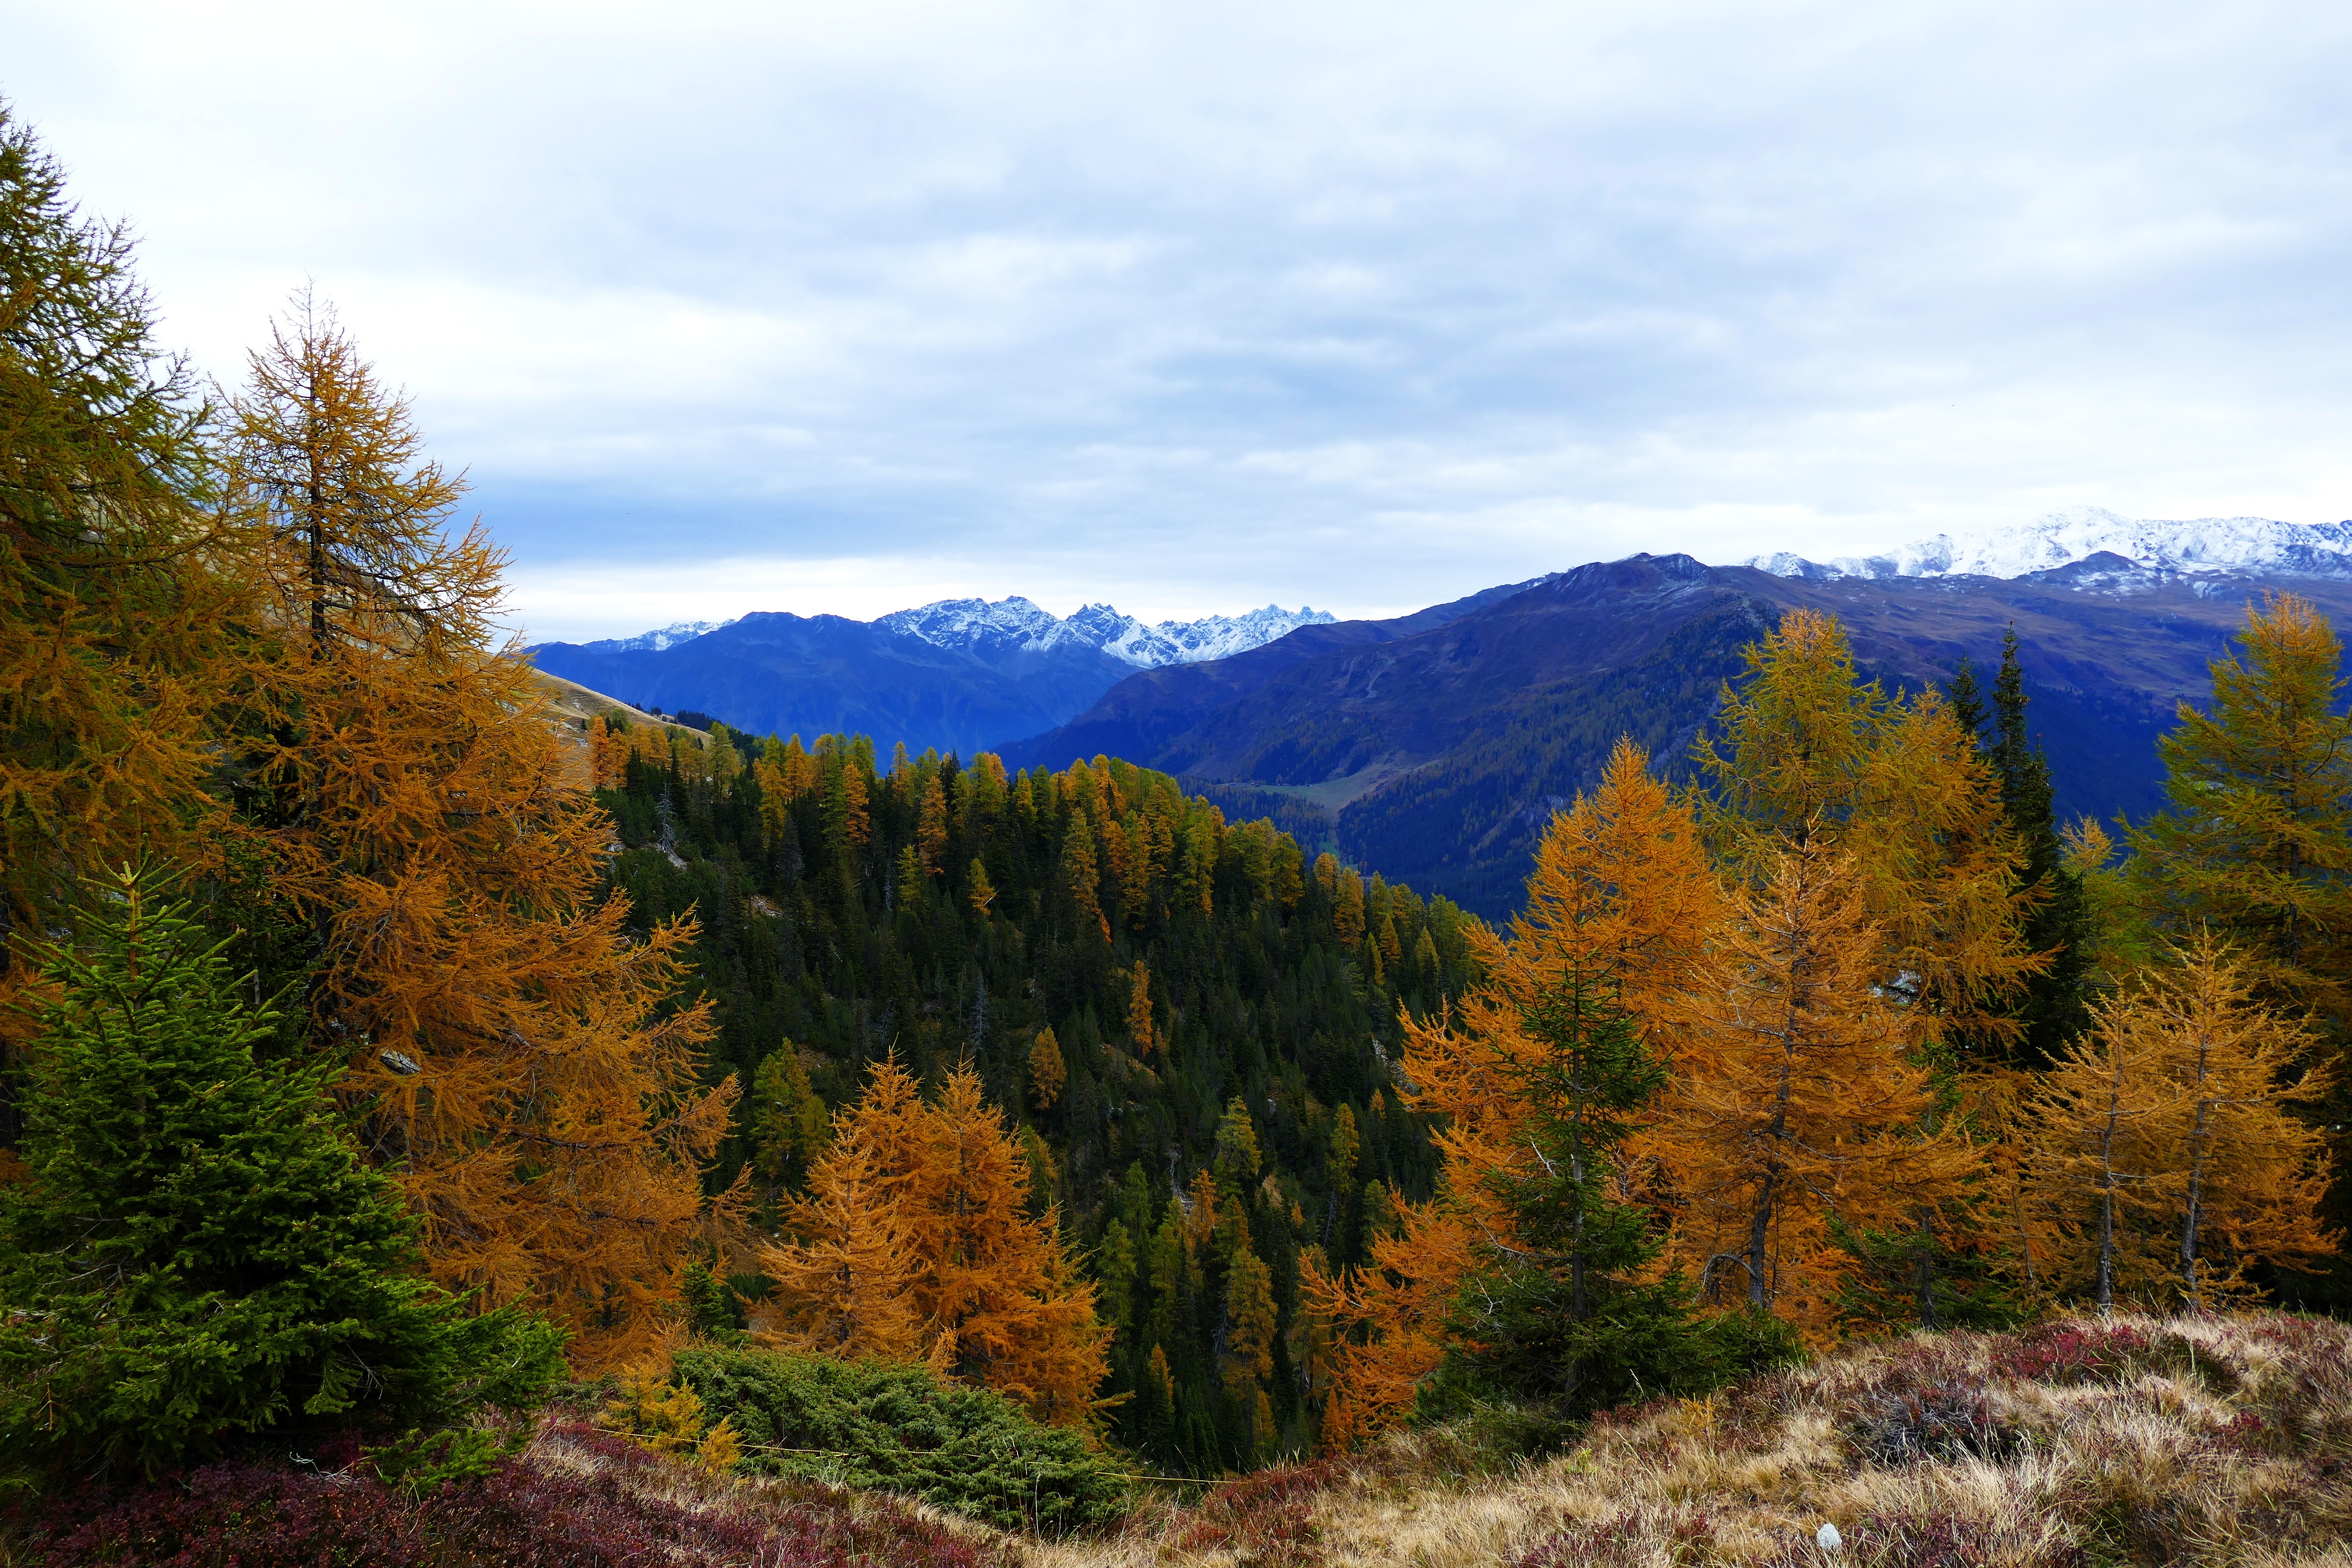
(611, 1504)
(1942, 1421)
(2069, 1352)
(900, 1428)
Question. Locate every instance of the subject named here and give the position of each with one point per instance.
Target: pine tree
(402, 785)
(2054, 1005)
(200, 1260)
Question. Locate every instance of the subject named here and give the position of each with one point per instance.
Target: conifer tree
(1250, 1331)
(199, 1258)
(788, 1121)
(1566, 1310)
(1802, 1104)
(1805, 750)
(1621, 897)
(2053, 1006)
(2256, 844)
(845, 1286)
(1046, 1073)
(2166, 1155)
(974, 1282)
(401, 781)
(117, 618)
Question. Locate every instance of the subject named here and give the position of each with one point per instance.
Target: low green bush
(894, 1428)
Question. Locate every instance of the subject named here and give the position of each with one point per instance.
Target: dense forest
(1195, 1025)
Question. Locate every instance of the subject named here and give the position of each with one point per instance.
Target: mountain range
(959, 675)
(1433, 747)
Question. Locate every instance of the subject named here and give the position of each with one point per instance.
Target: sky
(1194, 307)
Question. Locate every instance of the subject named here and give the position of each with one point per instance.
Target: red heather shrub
(254, 1516)
(2068, 1353)
(1267, 1517)
(1596, 1541)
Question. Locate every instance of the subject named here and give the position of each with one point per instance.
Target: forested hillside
(1193, 1021)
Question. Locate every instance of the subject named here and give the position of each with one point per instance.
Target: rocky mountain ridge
(2146, 552)
(1018, 625)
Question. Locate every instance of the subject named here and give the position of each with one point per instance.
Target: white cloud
(1365, 304)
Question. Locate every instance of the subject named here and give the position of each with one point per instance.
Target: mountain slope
(957, 675)
(817, 675)
(1438, 755)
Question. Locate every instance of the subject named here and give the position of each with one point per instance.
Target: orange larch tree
(992, 1293)
(2164, 1150)
(1622, 896)
(1804, 749)
(1802, 1102)
(511, 1036)
(122, 592)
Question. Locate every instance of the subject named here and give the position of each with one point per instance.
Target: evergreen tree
(2053, 1006)
(1565, 1313)
(200, 1260)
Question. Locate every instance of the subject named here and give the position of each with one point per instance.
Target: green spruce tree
(2054, 1005)
(1562, 1321)
(199, 1260)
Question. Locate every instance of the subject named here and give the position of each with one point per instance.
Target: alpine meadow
(450, 1116)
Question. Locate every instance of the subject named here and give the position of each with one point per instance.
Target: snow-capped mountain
(2158, 546)
(666, 636)
(1017, 623)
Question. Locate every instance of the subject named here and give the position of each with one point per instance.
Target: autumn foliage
(1822, 941)
(915, 1242)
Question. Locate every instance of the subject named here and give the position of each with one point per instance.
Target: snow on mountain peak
(1016, 622)
(668, 637)
(2205, 544)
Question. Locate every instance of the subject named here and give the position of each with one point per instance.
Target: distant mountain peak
(655, 641)
(1016, 622)
(2159, 548)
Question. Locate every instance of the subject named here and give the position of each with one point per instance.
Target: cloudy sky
(1191, 307)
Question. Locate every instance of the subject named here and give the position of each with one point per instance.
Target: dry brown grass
(2222, 1440)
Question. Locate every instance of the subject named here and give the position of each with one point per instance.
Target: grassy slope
(2220, 1440)
(2223, 1440)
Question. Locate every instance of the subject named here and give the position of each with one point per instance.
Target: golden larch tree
(511, 1036)
(121, 589)
(2166, 1150)
(992, 1292)
(1799, 1101)
(844, 1285)
(1804, 750)
(1622, 896)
